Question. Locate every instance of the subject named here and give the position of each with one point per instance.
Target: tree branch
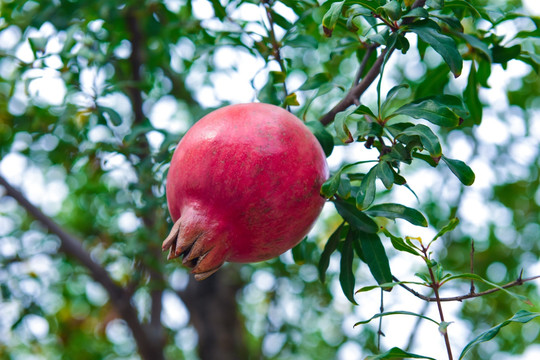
(68, 243)
(517, 282)
(72, 246)
(354, 94)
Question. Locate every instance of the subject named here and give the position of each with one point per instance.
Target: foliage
(95, 95)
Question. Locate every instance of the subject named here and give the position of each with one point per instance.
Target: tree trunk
(215, 316)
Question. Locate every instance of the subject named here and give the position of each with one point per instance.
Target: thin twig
(472, 291)
(379, 332)
(354, 94)
(369, 50)
(519, 281)
(276, 47)
(435, 286)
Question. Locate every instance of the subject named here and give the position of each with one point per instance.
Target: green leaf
(431, 109)
(395, 352)
(331, 17)
(387, 285)
(399, 244)
(331, 186)
(375, 257)
(325, 138)
(112, 115)
(329, 248)
(429, 31)
(463, 172)
(392, 9)
(385, 173)
(477, 44)
(219, 10)
(501, 55)
(394, 211)
(390, 100)
(470, 95)
(376, 316)
(299, 252)
(346, 273)
(37, 44)
(315, 81)
(281, 21)
(446, 228)
(340, 124)
(291, 100)
(367, 190)
(429, 140)
(355, 217)
(522, 316)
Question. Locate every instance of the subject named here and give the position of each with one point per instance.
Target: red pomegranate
(243, 186)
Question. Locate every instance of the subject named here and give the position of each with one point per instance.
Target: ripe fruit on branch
(243, 186)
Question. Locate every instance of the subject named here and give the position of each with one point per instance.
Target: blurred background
(95, 95)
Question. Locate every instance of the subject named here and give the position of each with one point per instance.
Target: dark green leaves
(397, 353)
(429, 140)
(331, 17)
(329, 248)
(325, 138)
(522, 316)
(463, 172)
(356, 217)
(429, 31)
(394, 211)
(367, 190)
(471, 97)
(375, 257)
(440, 110)
(346, 274)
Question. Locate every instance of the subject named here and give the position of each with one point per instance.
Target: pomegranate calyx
(190, 238)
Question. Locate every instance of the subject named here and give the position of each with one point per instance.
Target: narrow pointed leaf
(394, 211)
(462, 171)
(399, 244)
(429, 140)
(340, 124)
(375, 257)
(376, 316)
(397, 353)
(429, 31)
(430, 109)
(522, 316)
(448, 227)
(331, 17)
(470, 95)
(329, 248)
(346, 273)
(366, 193)
(356, 217)
(325, 138)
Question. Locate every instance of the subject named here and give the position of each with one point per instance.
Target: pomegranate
(243, 186)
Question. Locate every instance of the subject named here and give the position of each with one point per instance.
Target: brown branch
(354, 94)
(519, 281)
(435, 285)
(73, 247)
(363, 64)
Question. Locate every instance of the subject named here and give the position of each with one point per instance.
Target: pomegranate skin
(243, 186)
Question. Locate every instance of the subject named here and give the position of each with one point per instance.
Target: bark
(214, 314)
